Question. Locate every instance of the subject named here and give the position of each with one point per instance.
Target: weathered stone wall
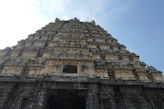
(34, 95)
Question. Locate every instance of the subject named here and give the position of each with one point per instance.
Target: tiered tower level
(79, 56)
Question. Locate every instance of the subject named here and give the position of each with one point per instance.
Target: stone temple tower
(76, 65)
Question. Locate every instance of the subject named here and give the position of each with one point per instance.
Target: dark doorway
(66, 100)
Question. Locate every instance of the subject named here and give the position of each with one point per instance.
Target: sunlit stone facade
(76, 65)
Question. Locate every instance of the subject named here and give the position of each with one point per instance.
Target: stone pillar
(95, 99)
(93, 102)
(40, 101)
(89, 101)
(23, 103)
(106, 97)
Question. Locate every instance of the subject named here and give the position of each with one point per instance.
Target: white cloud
(20, 18)
(84, 9)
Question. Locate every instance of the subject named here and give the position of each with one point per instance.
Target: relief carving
(124, 74)
(30, 53)
(157, 77)
(102, 73)
(12, 70)
(143, 76)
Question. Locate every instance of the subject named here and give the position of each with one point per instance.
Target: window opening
(70, 69)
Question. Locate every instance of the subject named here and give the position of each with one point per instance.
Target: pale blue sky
(138, 24)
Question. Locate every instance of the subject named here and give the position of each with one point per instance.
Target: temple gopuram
(76, 65)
